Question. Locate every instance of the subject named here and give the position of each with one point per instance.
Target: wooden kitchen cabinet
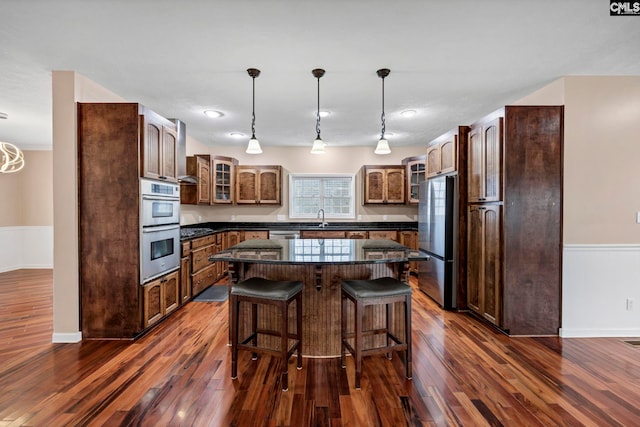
(185, 272)
(200, 193)
(160, 297)
(159, 147)
(255, 235)
(384, 234)
(117, 144)
(203, 272)
(322, 234)
(514, 250)
(384, 184)
(484, 283)
(442, 155)
(409, 238)
(223, 178)
(485, 160)
(258, 184)
(233, 238)
(357, 235)
(416, 173)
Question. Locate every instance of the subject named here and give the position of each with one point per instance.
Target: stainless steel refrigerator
(437, 231)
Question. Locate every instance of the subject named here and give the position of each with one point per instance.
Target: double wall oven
(159, 229)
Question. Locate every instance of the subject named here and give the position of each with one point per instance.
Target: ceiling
(452, 61)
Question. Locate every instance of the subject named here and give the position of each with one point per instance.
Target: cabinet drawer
(357, 235)
(389, 235)
(203, 241)
(200, 258)
(186, 248)
(322, 234)
(255, 235)
(203, 279)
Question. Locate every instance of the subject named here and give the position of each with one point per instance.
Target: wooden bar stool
(363, 293)
(258, 291)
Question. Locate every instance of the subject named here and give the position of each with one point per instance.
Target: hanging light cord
(253, 110)
(382, 115)
(318, 112)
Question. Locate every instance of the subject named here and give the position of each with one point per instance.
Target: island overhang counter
(321, 265)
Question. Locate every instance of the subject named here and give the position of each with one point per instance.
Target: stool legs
(235, 305)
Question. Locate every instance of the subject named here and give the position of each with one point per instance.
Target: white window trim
(352, 206)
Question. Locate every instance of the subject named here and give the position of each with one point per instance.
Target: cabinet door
(185, 280)
(448, 158)
(222, 181)
(395, 185)
(269, 185)
(485, 161)
(374, 186)
(151, 148)
(484, 277)
(255, 235)
(357, 235)
(246, 185)
(169, 157)
(171, 285)
(322, 234)
(416, 171)
(204, 180)
(433, 160)
(409, 239)
(153, 303)
(233, 238)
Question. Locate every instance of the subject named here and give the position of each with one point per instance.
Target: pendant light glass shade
(383, 144)
(382, 147)
(318, 144)
(254, 147)
(254, 144)
(318, 147)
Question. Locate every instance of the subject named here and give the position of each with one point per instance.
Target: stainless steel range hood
(181, 128)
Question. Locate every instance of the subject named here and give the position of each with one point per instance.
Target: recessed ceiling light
(237, 135)
(408, 113)
(213, 113)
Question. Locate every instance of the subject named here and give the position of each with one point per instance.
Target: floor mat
(214, 293)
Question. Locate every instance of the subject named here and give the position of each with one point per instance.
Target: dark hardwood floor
(465, 373)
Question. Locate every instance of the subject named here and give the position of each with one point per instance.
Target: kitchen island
(321, 265)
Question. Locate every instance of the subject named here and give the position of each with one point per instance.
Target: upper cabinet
(200, 193)
(485, 160)
(416, 173)
(442, 155)
(258, 184)
(384, 184)
(223, 177)
(159, 146)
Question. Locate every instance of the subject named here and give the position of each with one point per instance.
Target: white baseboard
(592, 333)
(66, 338)
(26, 247)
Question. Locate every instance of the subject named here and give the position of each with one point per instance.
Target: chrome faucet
(322, 223)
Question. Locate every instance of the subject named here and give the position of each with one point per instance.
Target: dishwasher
(284, 234)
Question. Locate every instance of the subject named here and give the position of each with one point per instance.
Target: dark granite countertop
(319, 251)
(205, 228)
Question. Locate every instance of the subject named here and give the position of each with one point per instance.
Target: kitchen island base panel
(321, 303)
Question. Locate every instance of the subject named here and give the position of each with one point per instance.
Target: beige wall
(27, 195)
(68, 88)
(299, 160)
(601, 154)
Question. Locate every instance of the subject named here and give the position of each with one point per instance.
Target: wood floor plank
(465, 373)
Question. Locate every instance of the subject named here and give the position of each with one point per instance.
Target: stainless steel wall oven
(159, 229)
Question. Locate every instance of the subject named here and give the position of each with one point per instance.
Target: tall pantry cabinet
(515, 219)
(117, 144)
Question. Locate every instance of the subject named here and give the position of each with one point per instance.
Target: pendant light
(254, 145)
(383, 144)
(11, 158)
(318, 144)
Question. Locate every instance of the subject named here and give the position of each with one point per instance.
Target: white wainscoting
(26, 247)
(597, 281)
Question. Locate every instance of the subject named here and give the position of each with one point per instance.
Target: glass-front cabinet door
(223, 173)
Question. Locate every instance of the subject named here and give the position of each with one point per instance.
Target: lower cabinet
(409, 239)
(160, 297)
(484, 268)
